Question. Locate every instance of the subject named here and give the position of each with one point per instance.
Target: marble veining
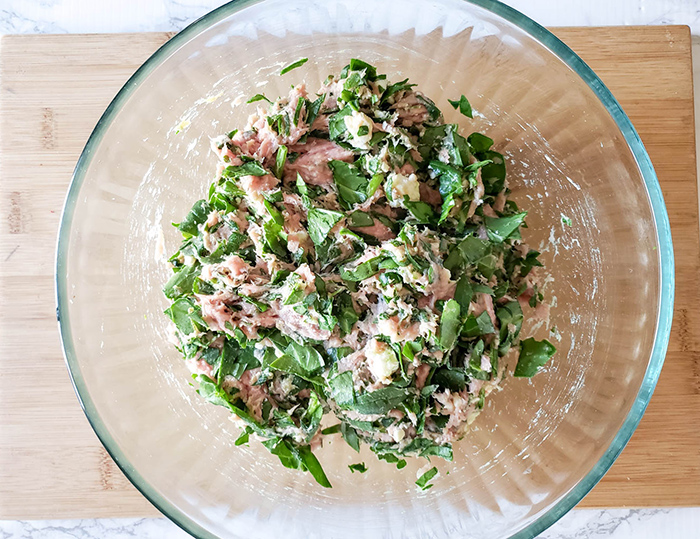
(88, 16)
(104, 528)
(84, 16)
(578, 524)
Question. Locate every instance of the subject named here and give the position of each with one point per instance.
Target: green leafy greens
(293, 65)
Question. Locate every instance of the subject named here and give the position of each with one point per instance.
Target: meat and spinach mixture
(357, 262)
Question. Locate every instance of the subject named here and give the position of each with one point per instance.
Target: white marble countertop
(88, 16)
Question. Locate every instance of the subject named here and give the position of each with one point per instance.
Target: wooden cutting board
(53, 90)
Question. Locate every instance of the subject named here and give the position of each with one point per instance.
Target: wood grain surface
(53, 90)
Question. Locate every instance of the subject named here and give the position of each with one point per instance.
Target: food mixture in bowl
(356, 256)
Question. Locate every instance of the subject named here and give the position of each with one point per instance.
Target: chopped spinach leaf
(475, 326)
(363, 270)
(479, 143)
(533, 355)
(335, 429)
(342, 389)
(359, 219)
(345, 312)
(395, 88)
(463, 105)
(351, 183)
(423, 212)
(350, 436)
(493, 175)
(294, 65)
(359, 65)
(423, 481)
(274, 241)
(360, 467)
(336, 124)
(280, 159)
(308, 359)
(451, 379)
(258, 97)
(510, 317)
(500, 228)
(259, 305)
(181, 282)
(197, 216)
(242, 439)
(466, 252)
(464, 294)
(186, 316)
(380, 401)
(449, 324)
(434, 113)
(251, 168)
(320, 223)
(313, 110)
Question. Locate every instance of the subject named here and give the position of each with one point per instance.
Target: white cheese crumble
(354, 122)
(399, 185)
(396, 432)
(287, 385)
(381, 360)
(399, 134)
(382, 160)
(389, 328)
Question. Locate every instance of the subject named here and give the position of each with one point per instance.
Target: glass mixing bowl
(542, 444)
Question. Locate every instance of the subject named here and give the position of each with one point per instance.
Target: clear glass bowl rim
(556, 46)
